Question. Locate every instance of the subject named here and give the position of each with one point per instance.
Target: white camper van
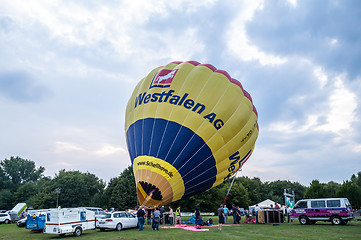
(69, 220)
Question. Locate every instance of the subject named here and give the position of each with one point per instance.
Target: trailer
(69, 220)
(35, 219)
(17, 211)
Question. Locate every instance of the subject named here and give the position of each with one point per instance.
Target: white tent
(265, 204)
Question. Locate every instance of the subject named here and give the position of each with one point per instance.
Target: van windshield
(347, 203)
(301, 204)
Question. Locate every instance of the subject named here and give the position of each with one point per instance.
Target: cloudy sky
(68, 68)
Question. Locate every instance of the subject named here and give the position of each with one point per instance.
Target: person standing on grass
(197, 212)
(140, 216)
(171, 215)
(162, 215)
(256, 209)
(234, 213)
(238, 215)
(226, 210)
(156, 219)
(220, 212)
(178, 215)
(149, 215)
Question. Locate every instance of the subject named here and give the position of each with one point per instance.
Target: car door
(124, 219)
(133, 220)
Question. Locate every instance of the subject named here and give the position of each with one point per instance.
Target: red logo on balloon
(163, 78)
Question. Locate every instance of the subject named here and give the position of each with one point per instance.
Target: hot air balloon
(189, 127)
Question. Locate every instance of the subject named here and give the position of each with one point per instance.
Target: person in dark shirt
(162, 215)
(149, 215)
(199, 222)
(234, 213)
(197, 212)
(220, 212)
(140, 215)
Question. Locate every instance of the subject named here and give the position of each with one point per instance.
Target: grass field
(320, 230)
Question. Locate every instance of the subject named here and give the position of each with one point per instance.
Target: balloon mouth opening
(148, 193)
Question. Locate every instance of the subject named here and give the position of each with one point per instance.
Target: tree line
(21, 181)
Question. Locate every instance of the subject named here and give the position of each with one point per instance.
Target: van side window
(301, 204)
(333, 203)
(318, 204)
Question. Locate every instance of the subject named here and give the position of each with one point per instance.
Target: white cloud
(61, 147)
(357, 148)
(292, 127)
(293, 3)
(321, 76)
(238, 43)
(108, 149)
(63, 164)
(342, 106)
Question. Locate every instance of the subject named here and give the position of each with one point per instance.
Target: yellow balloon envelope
(189, 127)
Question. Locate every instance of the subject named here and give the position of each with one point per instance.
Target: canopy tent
(265, 204)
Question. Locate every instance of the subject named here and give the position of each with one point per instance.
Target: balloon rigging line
(229, 189)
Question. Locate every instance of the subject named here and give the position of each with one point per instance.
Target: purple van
(335, 210)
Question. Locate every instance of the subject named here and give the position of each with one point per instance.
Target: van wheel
(102, 229)
(303, 220)
(78, 231)
(7, 221)
(119, 227)
(336, 220)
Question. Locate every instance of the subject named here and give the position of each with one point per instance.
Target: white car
(116, 220)
(5, 218)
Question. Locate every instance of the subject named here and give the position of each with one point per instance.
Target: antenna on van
(287, 196)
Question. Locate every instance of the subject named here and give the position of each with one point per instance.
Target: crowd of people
(158, 215)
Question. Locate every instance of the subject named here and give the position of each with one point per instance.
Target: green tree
(331, 189)
(17, 171)
(238, 195)
(27, 191)
(255, 188)
(351, 191)
(316, 190)
(76, 190)
(121, 191)
(356, 179)
(275, 190)
(6, 199)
